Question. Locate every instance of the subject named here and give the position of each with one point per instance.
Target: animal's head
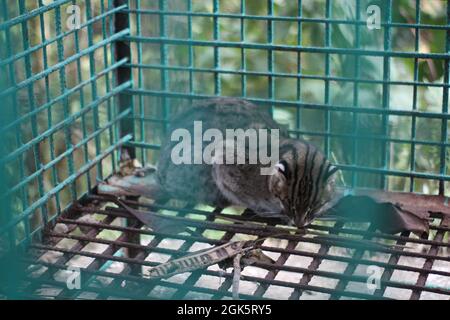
(302, 180)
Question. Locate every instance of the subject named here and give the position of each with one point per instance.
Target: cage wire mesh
(374, 99)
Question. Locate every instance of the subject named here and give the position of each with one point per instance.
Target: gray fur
(222, 185)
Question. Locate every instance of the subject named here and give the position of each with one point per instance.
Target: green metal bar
(287, 75)
(312, 106)
(298, 113)
(328, 13)
(141, 80)
(399, 173)
(385, 153)
(92, 71)
(82, 103)
(270, 57)
(243, 53)
(114, 60)
(110, 113)
(285, 18)
(357, 76)
(12, 234)
(164, 61)
(65, 102)
(216, 31)
(415, 91)
(191, 57)
(279, 47)
(49, 111)
(34, 120)
(445, 97)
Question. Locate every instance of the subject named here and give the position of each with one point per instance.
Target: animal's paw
(143, 172)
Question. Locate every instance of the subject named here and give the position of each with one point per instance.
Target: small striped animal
(297, 189)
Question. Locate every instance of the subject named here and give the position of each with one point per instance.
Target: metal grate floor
(114, 259)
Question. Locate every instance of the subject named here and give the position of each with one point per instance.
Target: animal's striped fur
(306, 173)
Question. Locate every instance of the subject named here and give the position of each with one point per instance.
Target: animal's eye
(282, 167)
(330, 171)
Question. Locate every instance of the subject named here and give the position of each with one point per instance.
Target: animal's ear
(282, 168)
(278, 181)
(331, 170)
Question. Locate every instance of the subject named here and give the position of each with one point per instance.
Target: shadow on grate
(95, 252)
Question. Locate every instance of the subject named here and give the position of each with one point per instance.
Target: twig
(236, 275)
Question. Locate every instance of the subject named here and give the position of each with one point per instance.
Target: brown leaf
(155, 223)
(386, 216)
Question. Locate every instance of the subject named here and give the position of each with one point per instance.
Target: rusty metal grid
(305, 267)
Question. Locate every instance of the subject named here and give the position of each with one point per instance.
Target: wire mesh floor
(114, 258)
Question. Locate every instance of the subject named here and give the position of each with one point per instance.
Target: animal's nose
(300, 221)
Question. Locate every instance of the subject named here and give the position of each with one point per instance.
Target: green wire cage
(83, 81)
